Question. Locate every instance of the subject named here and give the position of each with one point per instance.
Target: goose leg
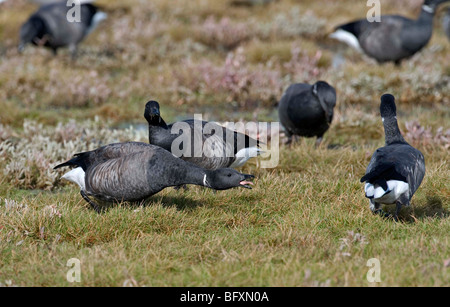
(318, 141)
(398, 206)
(73, 52)
(376, 209)
(94, 206)
(289, 140)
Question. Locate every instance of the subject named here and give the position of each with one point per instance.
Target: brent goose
(392, 39)
(223, 148)
(50, 27)
(396, 170)
(307, 110)
(134, 171)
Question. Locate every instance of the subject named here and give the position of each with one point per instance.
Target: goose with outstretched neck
(134, 171)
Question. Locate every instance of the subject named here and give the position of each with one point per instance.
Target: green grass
(305, 222)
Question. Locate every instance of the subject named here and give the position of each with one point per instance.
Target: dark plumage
(395, 170)
(307, 110)
(217, 146)
(134, 171)
(49, 26)
(394, 38)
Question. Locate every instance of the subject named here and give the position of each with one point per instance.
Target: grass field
(306, 222)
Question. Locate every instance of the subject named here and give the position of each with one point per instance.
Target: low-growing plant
(28, 159)
(223, 34)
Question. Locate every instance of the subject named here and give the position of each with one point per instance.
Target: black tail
(352, 27)
(77, 160)
(383, 173)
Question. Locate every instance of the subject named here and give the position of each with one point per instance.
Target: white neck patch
(205, 182)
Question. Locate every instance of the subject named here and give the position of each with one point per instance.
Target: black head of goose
(50, 26)
(392, 39)
(134, 171)
(307, 110)
(205, 144)
(396, 170)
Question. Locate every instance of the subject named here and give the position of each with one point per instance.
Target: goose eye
(229, 175)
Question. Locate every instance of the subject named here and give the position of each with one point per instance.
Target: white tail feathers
(76, 176)
(346, 37)
(395, 189)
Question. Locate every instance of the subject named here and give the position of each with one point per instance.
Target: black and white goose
(307, 110)
(50, 27)
(134, 171)
(396, 170)
(209, 145)
(392, 39)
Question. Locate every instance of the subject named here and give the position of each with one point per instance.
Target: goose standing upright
(50, 27)
(307, 110)
(396, 170)
(218, 149)
(392, 39)
(134, 171)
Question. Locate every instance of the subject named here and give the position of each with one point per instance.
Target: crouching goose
(134, 171)
(50, 27)
(307, 110)
(396, 170)
(392, 39)
(217, 147)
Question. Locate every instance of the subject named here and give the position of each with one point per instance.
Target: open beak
(245, 183)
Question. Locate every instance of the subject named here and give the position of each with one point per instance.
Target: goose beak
(245, 183)
(155, 112)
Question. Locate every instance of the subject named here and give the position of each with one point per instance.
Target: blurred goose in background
(218, 149)
(307, 110)
(50, 27)
(396, 170)
(394, 38)
(134, 171)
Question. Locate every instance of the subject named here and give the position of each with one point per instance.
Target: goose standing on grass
(392, 39)
(220, 147)
(396, 170)
(50, 27)
(307, 110)
(134, 171)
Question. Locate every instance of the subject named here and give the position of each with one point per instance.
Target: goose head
(152, 113)
(227, 178)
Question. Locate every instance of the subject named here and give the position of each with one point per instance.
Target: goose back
(207, 145)
(303, 111)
